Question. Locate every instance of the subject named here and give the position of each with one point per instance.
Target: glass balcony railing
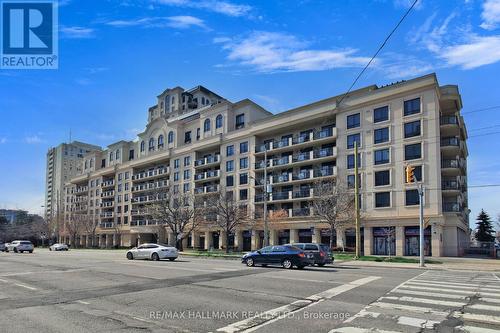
(451, 207)
(449, 120)
(449, 164)
(449, 185)
(446, 142)
(299, 139)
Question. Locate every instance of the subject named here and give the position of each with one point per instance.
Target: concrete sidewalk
(464, 264)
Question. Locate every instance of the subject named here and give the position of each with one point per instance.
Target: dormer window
(206, 126)
(117, 154)
(160, 141)
(143, 146)
(218, 121)
(151, 144)
(170, 137)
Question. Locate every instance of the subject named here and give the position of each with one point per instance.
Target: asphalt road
(102, 291)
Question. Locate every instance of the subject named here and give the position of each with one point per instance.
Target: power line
(482, 109)
(378, 51)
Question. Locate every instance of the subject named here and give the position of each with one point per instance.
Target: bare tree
(90, 227)
(74, 226)
(390, 234)
(334, 204)
(228, 214)
(177, 211)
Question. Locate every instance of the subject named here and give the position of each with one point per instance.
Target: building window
(151, 144)
(353, 138)
(176, 176)
(170, 137)
(187, 160)
(198, 134)
(187, 174)
(244, 163)
(383, 199)
(417, 173)
(130, 154)
(350, 161)
(412, 152)
(412, 198)
(381, 135)
(382, 178)
(412, 129)
(229, 165)
(244, 194)
(120, 177)
(186, 187)
(91, 162)
(381, 156)
(187, 137)
(381, 114)
(240, 121)
(351, 181)
(243, 178)
(111, 156)
(353, 121)
(412, 106)
(230, 150)
(160, 141)
(243, 147)
(206, 125)
(176, 163)
(218, 121)
(143, 146)
(127, 175)
(229, 181)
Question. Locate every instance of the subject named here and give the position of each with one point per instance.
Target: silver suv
(20, 246)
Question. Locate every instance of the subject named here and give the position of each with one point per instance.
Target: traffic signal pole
(421, 223)
(356, 200)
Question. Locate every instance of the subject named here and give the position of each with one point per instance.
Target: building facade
(63, 163)
(196, 142)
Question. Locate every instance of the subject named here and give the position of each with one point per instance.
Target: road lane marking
(448, 283)
(4, 281)
(484, 307)
(82, 302)
(465, 292)
(417, 322)
(25, 286)
(489, 300)
(423, 293)
(178, 268)
(474, 329)
(298, 279)
(480, 318)
(273, 315)
(359, 330)
(418, 309)
(423, 300)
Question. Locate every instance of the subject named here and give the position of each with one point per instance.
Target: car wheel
(50, 249)
(15, 250)
(31, 251)
(301, 267)
(155, 257)
(130, 256)
(321, 265)
(172, 259)
(287, 263)
(250, 262)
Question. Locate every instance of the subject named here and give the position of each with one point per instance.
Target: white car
(20, 246)
(153, 252)
(59, 247)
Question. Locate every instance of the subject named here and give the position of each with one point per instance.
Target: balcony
(139, 212)
(297, 159)
(147, 199)
(297, 140)
(80, 190)
(448, 120)
(150, 174)
(208, 175)
(285, 196)
(106, 225)
(107, 215)
(209, 160)
(450, 185)
(151, 186)
(107, 204)
(451, 207)
(450, 142)
(286, 213)
(108, 183)
(142, 223)
(108, 194)
(449, 164)
(206, 189)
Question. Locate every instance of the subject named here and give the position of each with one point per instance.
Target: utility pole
(266, 226)
(356, 200)
(421, 223)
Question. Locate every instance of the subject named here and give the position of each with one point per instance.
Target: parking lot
(102, 291)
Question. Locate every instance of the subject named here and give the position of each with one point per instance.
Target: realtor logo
(28, 34)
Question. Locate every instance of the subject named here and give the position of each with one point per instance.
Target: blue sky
(115, 56)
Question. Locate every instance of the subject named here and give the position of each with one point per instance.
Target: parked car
(59, 247)
(321, 252)
(284, 255)
(20, 246)
(3, 247)
(153, 252)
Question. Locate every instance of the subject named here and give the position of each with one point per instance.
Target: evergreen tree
(484, 229)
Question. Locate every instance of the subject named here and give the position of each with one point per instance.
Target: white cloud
(397, 66)
(479, 51)
(274, 52)
(178, 22)
(3, 140)
(490, 14)
(33, 139)
(77, 32)
(221, 7)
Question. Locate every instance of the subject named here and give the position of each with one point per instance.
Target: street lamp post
(266, 226)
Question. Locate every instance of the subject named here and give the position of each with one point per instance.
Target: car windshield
(325, 248)
(311, 247)
(293, 248)
(26, 243)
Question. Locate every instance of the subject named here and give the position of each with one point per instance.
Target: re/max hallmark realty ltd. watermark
(28, 34)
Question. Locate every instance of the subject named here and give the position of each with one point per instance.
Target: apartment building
(196, 142)
(63, 163)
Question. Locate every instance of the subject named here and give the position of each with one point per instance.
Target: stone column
(294, 235)
(340, 237)
(238, 240)
(255, 240)
(184, 243)
(195, 240)
(400, 241)
(208, 240)
(436, 240)
(368, 239)
(222, 240)
(316, 237)
(171, 238)
(273, 237)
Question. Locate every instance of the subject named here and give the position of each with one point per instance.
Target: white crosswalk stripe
(429, 301)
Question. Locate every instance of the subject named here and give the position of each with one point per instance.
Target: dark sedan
(321, 252)
(285, 255)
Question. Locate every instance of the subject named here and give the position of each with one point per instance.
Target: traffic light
(410, 174)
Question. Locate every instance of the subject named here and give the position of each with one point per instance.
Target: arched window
(151, 144)
(206, 125)
(143, 146)
(110, 155)
(218, 121)
(117, 154)
(160, 141)
(91, 162)
(86, 164)
(170, 137)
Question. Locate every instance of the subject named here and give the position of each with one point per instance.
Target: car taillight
(322, 254)
(302, 255)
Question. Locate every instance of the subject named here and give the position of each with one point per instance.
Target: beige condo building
(196, 141)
